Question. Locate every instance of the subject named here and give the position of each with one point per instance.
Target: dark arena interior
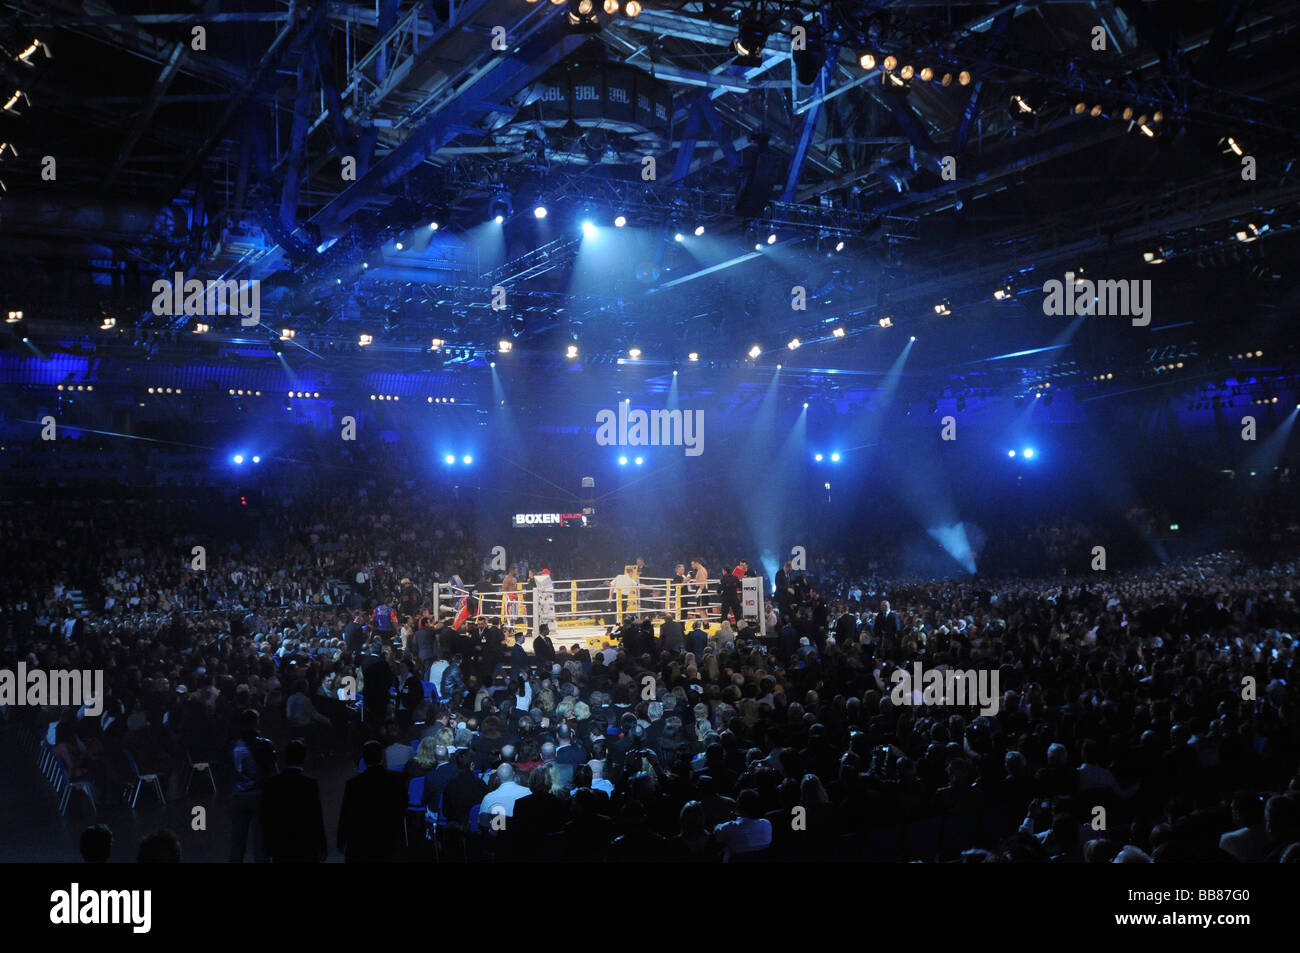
(471, 431)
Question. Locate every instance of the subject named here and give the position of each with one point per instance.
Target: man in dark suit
(699, 640)
(784, 594)
(567, 751)
(426, 646)
(464, 793)
(672, 635)
(293, 825)
(887, 627)
(379, 679)
(846, 629)
(355, 634)
(544, 649)
(374, 811)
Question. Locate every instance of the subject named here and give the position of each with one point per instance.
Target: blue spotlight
(257, 459)
(589, 229)
(540, 211)
(835, 458)
(639, 460)
(805, 405)
(467, 459)
(622, 461)
(499, 219)
(818, 457)
(238, 458)
(449, 459)
(1011, 453)
(1029, 452)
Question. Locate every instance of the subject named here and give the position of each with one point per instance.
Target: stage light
(1153, 257)
(758, 246)
(1011, 453)
(398, 246)
(1231, 144)
(817, 456)
(257, 459)
(963, 78)
(771, 239)
(890, 63)
(633, 8)
(622, 461)
(589, 229)
(13, 317)
(805, 405)
(886, 322)
(794, 344)
(365, 340)
(634, 353)
(907, 72)
(1029, 452)
(504, 347)
(287, 334)
(499, 219)
(699, 230)
(943, 307)
(611, 7)
(365, 265)
(927, 74)
(539, 212)
(449, 459)
(835, 458)
(639, 461)
(437, 343)
(693, 357)
(1002, 294)
(749, 42)
(571, 351)
(755, 351)
(867, 61)
(581, 16)
(947, 80)
(838, 333)
(467, 459)
(912, 338)
(674, 373)
(678, 237)
(238, 458)
(839, 246)
(620, 221)
(108, 324)
(433, 226)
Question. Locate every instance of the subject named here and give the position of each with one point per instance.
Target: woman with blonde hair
(425, 759)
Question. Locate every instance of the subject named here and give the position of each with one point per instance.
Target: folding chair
(199, 767)
(154, 778)
(68, 786)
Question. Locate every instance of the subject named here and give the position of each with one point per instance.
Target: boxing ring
(586, 611)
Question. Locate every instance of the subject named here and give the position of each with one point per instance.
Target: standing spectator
(254, 759)
(293, 825)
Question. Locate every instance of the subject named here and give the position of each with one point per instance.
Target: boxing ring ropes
(585, 610)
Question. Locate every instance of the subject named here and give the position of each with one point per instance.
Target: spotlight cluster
(441, 400)
(241, 392)
(898, 73)
(385, 397)
(304, 395)
(164, 390)
(81, 387)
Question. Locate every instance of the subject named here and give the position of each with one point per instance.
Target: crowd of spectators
(1162, 701)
